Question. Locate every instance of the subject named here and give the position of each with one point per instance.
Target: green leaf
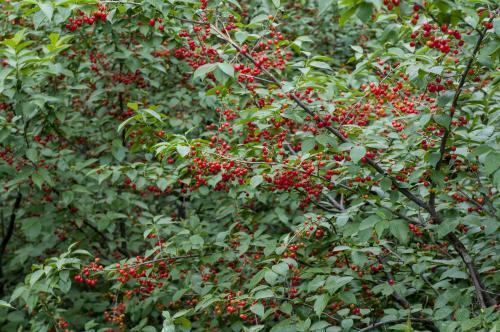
(205, 303)
(259, 18)
(357, 153)
(320, 64)
(202, 71)
(357, 49)
(37, 180)
(319, 326)
(197, 240)
(133, 106)
(434, 158)
(325, 139)
(183, 150)
(118, 151)
(281, 268)
(258, 309)
(168, 323)
(256, 279)
(323, 5)
(316, 283)
(346, 15)
(47, 9)
(399, 229)
(446, 227)
(492, 162)
(35, 276)
(472, 20)
(18, 292)
(5, 304)
(443, 120)
(241, 36)
(227, 69)
(54, 37)
(364, 11)
(370, 222)
(347, 324)
(153, 114)
(264, 294)
(334, 283)
(271, 277)
(256, 180)
(442, 313)
(454, 274)
(386, 184)
(181, 313)
(32, 155)
(308, 144)
(320, 303)
(162, 184)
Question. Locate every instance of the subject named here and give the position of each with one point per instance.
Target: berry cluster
(441, 38)
(99, 14)
(85, 276)
(415, 230)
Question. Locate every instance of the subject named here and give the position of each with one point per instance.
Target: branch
(338, 205)
(481, 207)
(7, 236)
(483, 297)
(154, 261)
(447, 132)
(10, 227)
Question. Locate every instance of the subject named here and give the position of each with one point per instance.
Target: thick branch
(482, 296)
(447, 132)
(7, 236)
(10, 227)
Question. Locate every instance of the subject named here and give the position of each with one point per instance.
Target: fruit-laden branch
(457, 244)
(447, 132)
(483, 297)
(7, 236)
(331, 129)
(481, 293)
(162, 259)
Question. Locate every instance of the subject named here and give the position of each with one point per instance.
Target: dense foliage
(263, 165)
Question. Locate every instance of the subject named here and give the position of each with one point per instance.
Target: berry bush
(259, 165)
